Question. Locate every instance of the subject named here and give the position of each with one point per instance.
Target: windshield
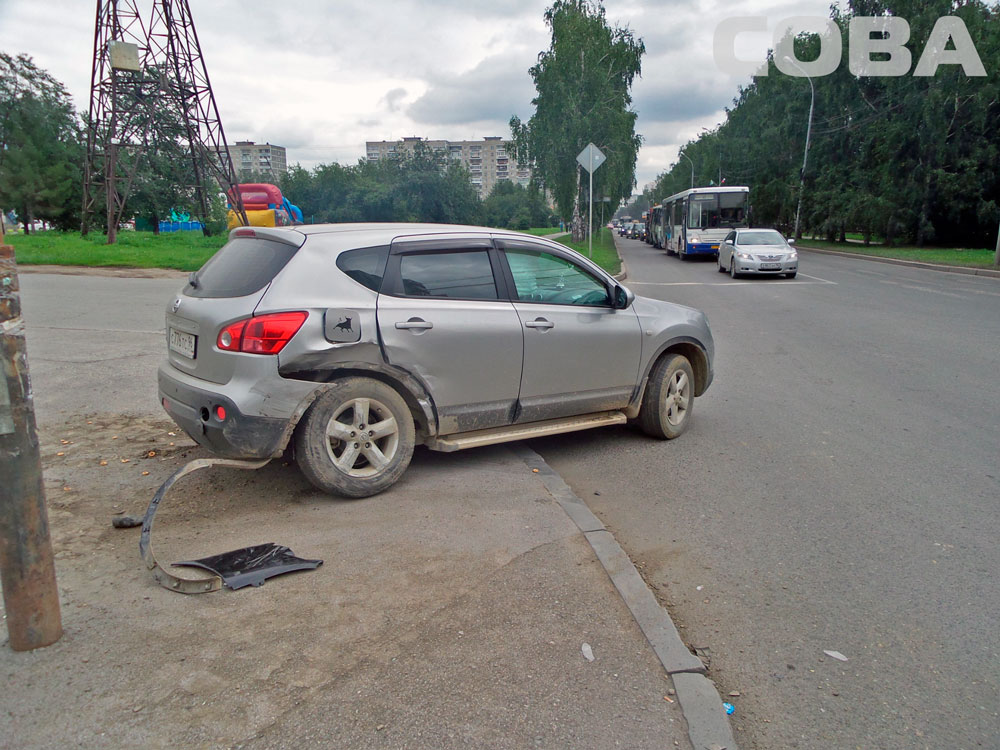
(716, 210)
(763, 237)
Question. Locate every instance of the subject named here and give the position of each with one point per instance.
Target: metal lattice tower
(149, 85)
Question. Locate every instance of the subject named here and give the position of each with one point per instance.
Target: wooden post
(27, 570)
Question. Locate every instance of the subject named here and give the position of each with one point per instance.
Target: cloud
(393, 98)
(495, 89)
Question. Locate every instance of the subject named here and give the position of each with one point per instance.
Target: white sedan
(763, 252)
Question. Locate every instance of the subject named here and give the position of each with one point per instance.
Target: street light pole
(681, 153)
(805, 153)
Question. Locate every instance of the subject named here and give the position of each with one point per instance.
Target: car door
(580, 354)
(726, 250)
(443, 315)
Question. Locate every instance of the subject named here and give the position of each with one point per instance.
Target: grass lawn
(605, 254)
(184, 251)
(945, 256)
(541, 231)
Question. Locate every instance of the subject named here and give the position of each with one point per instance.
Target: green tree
(40, 149)
(908, 158)
(512, 206)
(583, 83)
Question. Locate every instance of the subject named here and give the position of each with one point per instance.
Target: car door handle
(416, 323)
(540, 323)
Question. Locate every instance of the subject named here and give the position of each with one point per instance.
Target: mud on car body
(352, 343)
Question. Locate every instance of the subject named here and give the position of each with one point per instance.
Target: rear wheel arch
(418, 401)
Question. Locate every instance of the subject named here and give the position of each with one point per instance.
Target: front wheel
(666, 408)
(356, 440)
(732, 268)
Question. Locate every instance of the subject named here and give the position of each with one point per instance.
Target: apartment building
(251, 158)
(488, 160)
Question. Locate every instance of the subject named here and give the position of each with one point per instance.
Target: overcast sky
(321, 78)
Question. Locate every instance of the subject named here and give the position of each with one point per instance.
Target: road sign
(591, 158)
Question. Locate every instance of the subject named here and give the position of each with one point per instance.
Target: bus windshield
(717, 210)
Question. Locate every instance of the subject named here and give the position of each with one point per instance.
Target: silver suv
(352, 343)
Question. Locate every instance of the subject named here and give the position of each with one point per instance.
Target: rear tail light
(262, 334)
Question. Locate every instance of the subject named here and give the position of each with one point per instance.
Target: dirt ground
(449, 612)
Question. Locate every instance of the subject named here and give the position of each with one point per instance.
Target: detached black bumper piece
(251, 566)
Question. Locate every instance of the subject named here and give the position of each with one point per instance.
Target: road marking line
(629, 282)
(825, 281)
(924, 289)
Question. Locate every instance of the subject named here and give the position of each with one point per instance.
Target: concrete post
(27, 569)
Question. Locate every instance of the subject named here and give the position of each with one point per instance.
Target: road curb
(982, 272)
(623, 274)
(699, 699)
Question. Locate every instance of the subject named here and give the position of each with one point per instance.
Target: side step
(477, 438)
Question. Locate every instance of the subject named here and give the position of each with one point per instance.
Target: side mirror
(623, 297)
(791, 241)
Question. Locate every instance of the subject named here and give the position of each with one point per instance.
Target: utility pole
(27, 570)
(805, 152)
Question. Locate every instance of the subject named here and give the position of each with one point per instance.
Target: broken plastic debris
(588, 652)
(730, 708)
(698, 588)
(836, 655)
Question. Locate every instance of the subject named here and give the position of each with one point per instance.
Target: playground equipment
(264, 204)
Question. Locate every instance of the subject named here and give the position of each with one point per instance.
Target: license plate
(183, 343)
(770, 266)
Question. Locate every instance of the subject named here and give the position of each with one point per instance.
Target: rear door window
(450, 275)
(242, 266)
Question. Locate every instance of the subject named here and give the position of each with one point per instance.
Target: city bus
(654, 231)
(697, 220)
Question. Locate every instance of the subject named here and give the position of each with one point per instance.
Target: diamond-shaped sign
(591, 158)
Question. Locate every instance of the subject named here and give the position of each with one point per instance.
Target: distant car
(351, 343)
(762, 252)
(625, 228)
(637, 231)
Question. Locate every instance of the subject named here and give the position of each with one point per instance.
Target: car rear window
(241, 267)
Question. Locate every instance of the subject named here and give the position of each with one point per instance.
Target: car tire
(667, 405)
(721, 268)
(732, 268)
(382, 452)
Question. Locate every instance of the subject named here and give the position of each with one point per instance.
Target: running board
(478, 438)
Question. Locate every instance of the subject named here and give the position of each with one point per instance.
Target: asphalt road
(838, 490)
(62, 312)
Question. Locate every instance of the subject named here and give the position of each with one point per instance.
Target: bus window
(733, 209)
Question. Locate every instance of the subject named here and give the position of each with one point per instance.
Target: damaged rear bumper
(235, 431)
